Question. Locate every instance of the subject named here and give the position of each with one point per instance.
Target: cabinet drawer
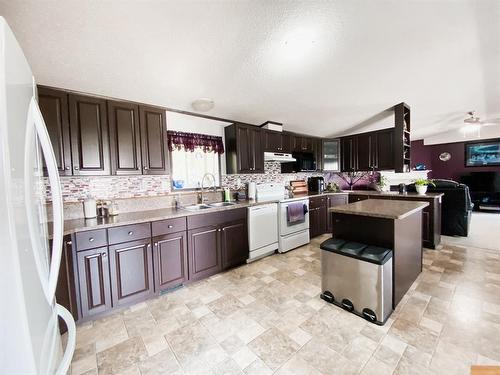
(316, 202)
(338, 200)
(91, 239)
(162, 227)
(216, 218)
(129, 233)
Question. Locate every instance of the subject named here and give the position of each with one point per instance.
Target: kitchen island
(393, 224)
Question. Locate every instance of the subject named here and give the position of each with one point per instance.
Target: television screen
(482, 154)
(485, 182)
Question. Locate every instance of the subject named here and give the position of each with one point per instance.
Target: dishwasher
(262, 230)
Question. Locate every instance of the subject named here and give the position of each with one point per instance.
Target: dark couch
(456, 209)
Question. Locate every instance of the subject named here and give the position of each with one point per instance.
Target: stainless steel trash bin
(358, 278)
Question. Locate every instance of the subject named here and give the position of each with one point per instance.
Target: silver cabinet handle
(146, 168)
(170, 226)
(149, 245)
(67, 168)
(69, 243)
(130, 233)
(156, 244)
(91, 239)
(104, 255)
(76, 168)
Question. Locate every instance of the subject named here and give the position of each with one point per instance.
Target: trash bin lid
(332, 244)
(375, 254)
(353, 248)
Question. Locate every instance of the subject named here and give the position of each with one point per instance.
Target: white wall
(192, 124)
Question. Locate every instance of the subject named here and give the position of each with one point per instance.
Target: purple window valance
(189, 141)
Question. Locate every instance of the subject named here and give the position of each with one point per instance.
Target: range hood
(278, 156)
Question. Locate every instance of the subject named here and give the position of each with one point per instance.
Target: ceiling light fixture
(203, 105)
(472, 127)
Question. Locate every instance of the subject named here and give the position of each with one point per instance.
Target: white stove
(292, 234)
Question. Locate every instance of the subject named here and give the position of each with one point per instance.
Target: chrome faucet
(200, 194)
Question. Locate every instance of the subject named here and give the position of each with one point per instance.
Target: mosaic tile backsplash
(75, 189)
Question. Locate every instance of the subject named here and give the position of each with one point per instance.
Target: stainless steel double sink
(206, 206)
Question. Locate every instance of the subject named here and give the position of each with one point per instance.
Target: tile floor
(266, 318)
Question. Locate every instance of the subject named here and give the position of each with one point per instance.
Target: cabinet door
(330, 155)
(243, 147)
(364, 152)
(314, 222)
(170, 260)
(89, 135)
(318, 154)
(93, 277)
(286, 141)
(54, 107)
(234, 243)
(256, 150)
(154, 140)
(347, 150)
(65, 290)
(125, 139)
(204, 253)
(333, 201)
(131, 270)
(323, 216)
(272, 141)
(385, 150)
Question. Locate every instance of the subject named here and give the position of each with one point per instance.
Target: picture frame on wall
(482, 154)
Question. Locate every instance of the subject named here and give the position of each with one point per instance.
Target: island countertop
(388, 209)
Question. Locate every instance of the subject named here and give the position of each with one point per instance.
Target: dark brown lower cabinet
(333, 201)
(131, 271)
(317, 215)
(65, 290)
(204, 252)
(170, 260)
(356, 198)
(93, 278)
(234, 242)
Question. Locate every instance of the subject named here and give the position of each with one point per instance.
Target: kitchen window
(188, 167)
(192, 156)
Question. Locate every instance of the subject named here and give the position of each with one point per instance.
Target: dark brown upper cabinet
(89, 135)
(125, 138)
(244, 149)
(373, 151)
(54, 107)
(330, 155)
(365, 155)
(275, 141)
(154, 140)
(348, 149)
(302, 143)
(385, 150)
(318, 153)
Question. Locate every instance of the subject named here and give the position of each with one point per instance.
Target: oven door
(287, 228)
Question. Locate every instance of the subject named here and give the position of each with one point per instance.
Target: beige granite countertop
(395, 193)
(387, 209)
(126, 218)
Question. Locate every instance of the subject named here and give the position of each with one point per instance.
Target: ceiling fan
(473, 124)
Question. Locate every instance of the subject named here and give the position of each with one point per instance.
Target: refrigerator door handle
(70, 345)
(57, 205)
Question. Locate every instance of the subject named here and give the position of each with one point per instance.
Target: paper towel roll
(251, 190)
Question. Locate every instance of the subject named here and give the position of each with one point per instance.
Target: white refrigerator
(29, 335)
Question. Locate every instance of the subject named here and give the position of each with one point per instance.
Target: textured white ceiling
(320, 67)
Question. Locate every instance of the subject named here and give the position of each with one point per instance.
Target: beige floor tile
(237, 323)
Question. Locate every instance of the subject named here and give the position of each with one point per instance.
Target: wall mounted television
(482, 154)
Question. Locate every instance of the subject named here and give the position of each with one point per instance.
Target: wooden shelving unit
(402, 140)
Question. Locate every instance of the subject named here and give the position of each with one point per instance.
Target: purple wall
(451, 169)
